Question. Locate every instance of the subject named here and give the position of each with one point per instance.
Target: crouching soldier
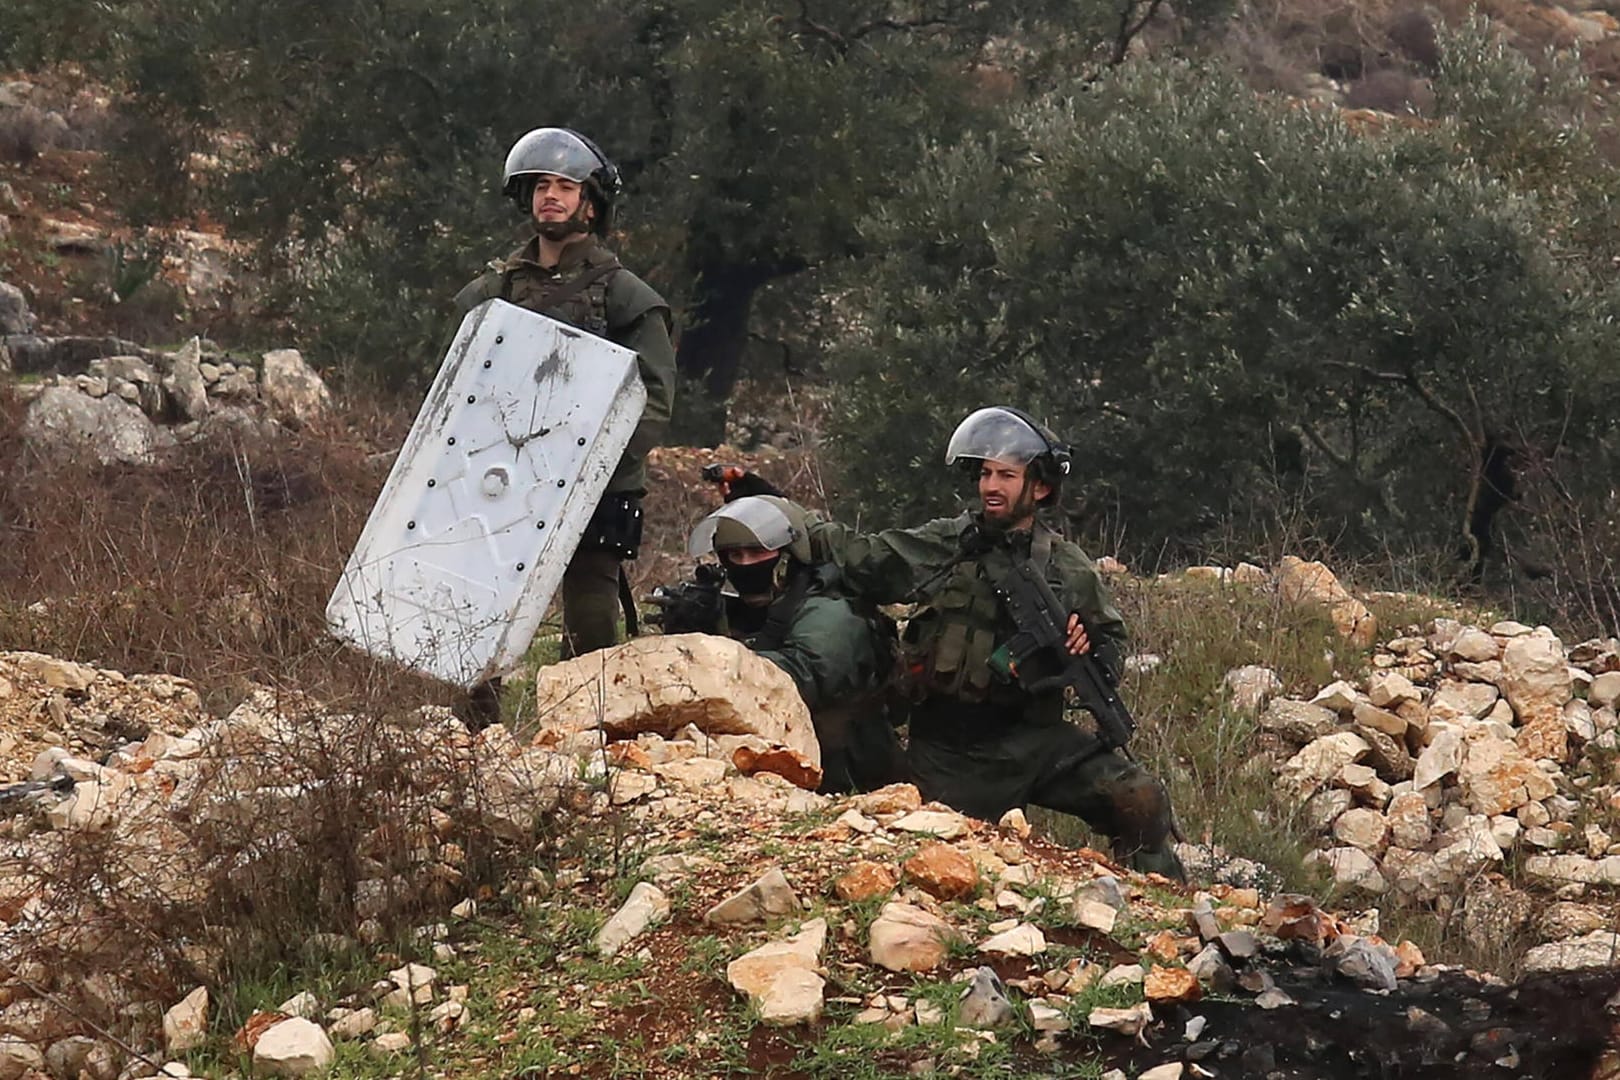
(980, 740)
(791, 611)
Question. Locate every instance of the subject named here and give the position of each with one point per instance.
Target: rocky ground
(669, 903)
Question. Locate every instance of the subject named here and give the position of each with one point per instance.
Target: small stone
(1103, 890)
(1166, 984)
(646, 906)
(1297, 721)
(1351, 867)
(781, 977)
(984, 1001)
(1015, 822)
(1168, 1071)
(770, 897)
(1388, 690)
(942, 871)
(1392, 724)
(354, 1025)
(1025, 939)
(907, 938)
(1273, 999)
(302, 1004)
(944, 824)
(1043, 1017)
(185, 1026)
(1122, 975)
(1250, 687)
(1474, 646)
(866, 880)
(893, 799)
(413, 985)
(1604, 693)
(1362, 828)
(294, 1047)
(1094, 914)
(857, 822)
(389, 1044)
(1340, 697)
(1129, 1021)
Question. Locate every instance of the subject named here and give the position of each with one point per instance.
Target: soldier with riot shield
(568, 187)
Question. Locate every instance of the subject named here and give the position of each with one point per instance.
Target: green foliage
(361, 147)
(1177, 273)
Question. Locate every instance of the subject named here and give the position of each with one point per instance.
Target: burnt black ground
(1550, 1026)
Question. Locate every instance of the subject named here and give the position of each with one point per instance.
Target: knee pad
(1141, 810)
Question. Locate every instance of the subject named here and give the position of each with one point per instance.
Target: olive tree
(1235, 307)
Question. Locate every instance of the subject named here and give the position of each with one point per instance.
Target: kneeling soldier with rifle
(1012, 616)
(791, 611)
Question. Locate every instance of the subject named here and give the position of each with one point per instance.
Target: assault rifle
(1040, 654)
(690, 606)
(12, 794)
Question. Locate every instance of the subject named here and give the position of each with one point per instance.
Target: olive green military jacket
(890, 566)
(618, 306)
(832, 653)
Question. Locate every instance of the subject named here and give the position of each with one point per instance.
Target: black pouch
(615, 526)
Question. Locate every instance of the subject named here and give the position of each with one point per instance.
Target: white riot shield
(509, 456)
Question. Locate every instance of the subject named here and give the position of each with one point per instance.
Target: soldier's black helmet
(562, 152)
(1003, 433)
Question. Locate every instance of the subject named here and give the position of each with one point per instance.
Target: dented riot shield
(489, 496)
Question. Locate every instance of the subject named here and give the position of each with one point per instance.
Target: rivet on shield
(433, 483)
(582, 441)
(520, 566)
(562, 483)
(471, 399)
(498, 339)
(496, 481)
(452, 440)
(410, 524)
(539, 524)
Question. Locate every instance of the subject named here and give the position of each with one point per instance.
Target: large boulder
(663, 683)
(184, 383)
(1535, 681)
(1595, 950)
(291, 387)
(1308, 584)
(15, 318)
(1496, 777)
(1320, 761)
(65, 424)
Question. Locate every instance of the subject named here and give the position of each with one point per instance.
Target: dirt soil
(1451, 1026)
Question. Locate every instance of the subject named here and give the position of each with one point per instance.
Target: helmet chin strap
(562, 230)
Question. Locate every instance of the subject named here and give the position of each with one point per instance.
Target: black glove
(691, 607)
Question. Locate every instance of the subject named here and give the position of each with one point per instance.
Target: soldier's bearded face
(1004, 495)
(558, 199)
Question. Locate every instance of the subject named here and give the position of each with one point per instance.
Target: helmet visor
(748, 522)
(997, 435)
(553, 151)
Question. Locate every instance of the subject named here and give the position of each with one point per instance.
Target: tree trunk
(710, 353)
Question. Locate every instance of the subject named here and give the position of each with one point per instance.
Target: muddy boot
(1154, 860)
(480, 707)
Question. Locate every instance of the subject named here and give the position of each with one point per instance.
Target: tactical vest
(577, 296)
(948, 645)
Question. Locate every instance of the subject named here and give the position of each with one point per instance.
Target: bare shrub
(25, 133)
(334, 798)
(1411, 33)
(1390, 90)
